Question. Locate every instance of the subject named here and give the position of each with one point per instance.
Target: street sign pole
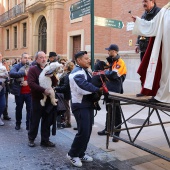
(92, 34)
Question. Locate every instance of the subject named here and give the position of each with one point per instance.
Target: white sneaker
(75, 161)
(1, 122)
(86, 158)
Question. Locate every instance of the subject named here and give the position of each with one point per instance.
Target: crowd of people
(75, 84)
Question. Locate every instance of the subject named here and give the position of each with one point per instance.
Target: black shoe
(67, 125)
(6, 118)
(60, 126)
(47, 144)
(102, 133)
(63, 125)
(31, 143)
(115, 139)
(17, 127)
(27, 127)
(139, 95)
(153, 100)
(75, 128)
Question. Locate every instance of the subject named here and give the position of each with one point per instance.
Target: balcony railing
(34, 5)
(12, 13)
(29, 3)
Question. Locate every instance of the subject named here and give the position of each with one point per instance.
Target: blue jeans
(19, 105)
(2, 103)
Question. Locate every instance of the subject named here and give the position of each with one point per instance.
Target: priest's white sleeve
(146, 28)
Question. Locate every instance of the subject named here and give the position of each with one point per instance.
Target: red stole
(143, 68)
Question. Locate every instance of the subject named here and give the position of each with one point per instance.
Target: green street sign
(80, 12)
(106, 22)
(79, 5)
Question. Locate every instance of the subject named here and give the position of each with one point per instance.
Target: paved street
(16, 155)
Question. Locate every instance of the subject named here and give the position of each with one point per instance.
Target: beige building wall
(53, 13)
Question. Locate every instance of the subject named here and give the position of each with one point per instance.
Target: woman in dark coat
(64, 88)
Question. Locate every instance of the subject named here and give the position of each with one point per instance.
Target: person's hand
(101, 89)
(47, 92)
(133, 18)
(137, 49)
(24, 83)
(50, 75)
(4, 77)
(26, 72)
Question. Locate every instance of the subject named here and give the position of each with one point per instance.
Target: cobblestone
(15, 154)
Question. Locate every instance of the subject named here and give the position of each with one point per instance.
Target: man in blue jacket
(82, 108)
(21, 90)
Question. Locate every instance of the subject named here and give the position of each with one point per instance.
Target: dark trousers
(141, 55)
(19, 106)
(2, 104)
(38, 113)
(84, 119)
(5, 112)
(118, 119)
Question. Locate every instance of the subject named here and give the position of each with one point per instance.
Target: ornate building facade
(32, 25)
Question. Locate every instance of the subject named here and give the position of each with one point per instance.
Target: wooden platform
(143, 101)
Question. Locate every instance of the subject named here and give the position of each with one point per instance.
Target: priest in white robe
(159, 27)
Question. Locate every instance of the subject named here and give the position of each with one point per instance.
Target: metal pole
(92, 33)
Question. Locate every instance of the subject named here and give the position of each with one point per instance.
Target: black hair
(79, 54)
(100, 65)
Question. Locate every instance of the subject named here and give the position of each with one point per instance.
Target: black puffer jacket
(143, 43)
(64, 86)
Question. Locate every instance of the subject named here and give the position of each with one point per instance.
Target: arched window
(42, 35)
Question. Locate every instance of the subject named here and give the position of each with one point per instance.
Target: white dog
(3, 75)
(45, 81)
